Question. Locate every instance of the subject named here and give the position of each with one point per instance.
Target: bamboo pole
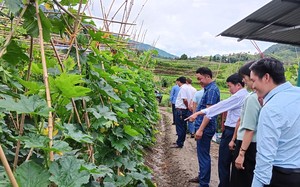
(45, 73)
(116, 13)
(105, 25)
(7, 168)
(137, 15)
(123, 16)
(57, 55)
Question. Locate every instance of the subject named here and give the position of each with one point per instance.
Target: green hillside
(286, 53)
(161, 53)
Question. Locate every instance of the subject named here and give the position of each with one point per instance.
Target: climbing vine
(78, 115)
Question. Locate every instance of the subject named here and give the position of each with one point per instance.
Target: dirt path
(174, 167)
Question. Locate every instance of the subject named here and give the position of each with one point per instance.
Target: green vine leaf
(119, 144)
(130, 131)
(31, 24)
(72, 132)
(107, 89)
(14, 54)
(32, 86)
(60, 146)
(68, 85)
(97, 171)
(102, 111)
(69, 64)
(30, 174)
(35, 141)
(66, 172)
(27, 105)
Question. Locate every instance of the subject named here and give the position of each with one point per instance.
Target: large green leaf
(35, 141)
(72, 132)
(14, 5)
(69, 64)
(4, 89)
(130, 131)
(119, 144)
(102, 111)
(97, 171)
(60, 146)
(14, 54)
(27, 105)
(30, 174)
(66, 172)
(67, 84)
(107, 89)
(32, 86)
(31, 24)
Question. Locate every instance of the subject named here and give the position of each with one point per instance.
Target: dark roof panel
(277, 21)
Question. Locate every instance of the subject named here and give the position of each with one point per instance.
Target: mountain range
(161, 53)
(283, 52)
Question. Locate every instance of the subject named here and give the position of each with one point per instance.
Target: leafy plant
(81, 117)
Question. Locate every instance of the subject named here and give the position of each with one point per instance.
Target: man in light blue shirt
(173, 95)
(278, 131)
(195, 102)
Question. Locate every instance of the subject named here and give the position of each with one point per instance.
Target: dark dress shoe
(194, 180)
(176, 147)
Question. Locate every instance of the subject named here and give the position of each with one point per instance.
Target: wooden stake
(7, 168)
(45, 73)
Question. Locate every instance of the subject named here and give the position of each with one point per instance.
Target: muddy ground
(174, 167)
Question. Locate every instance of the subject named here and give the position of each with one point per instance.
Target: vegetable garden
(77, 115)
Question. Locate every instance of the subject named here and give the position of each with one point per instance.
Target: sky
(186, 26)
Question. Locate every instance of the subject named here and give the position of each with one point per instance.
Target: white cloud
(190, 26)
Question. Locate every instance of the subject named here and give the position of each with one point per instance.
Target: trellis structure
(66, 39)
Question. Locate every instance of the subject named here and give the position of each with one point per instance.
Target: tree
(183, 57)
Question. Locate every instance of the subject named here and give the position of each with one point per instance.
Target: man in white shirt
(192, 91)
(233, 107)
(184, 96)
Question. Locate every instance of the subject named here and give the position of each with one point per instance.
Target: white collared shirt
(232, 105)
(186, 92)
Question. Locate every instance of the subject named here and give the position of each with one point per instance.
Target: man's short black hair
(182, 80)
(245, 69)
(204, 71)
(271, 66)
(235, 79)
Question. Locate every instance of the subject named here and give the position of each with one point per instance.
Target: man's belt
(286, 170)
(181, 108)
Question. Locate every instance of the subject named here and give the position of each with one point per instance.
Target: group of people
(260, 144)
(184, 99)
